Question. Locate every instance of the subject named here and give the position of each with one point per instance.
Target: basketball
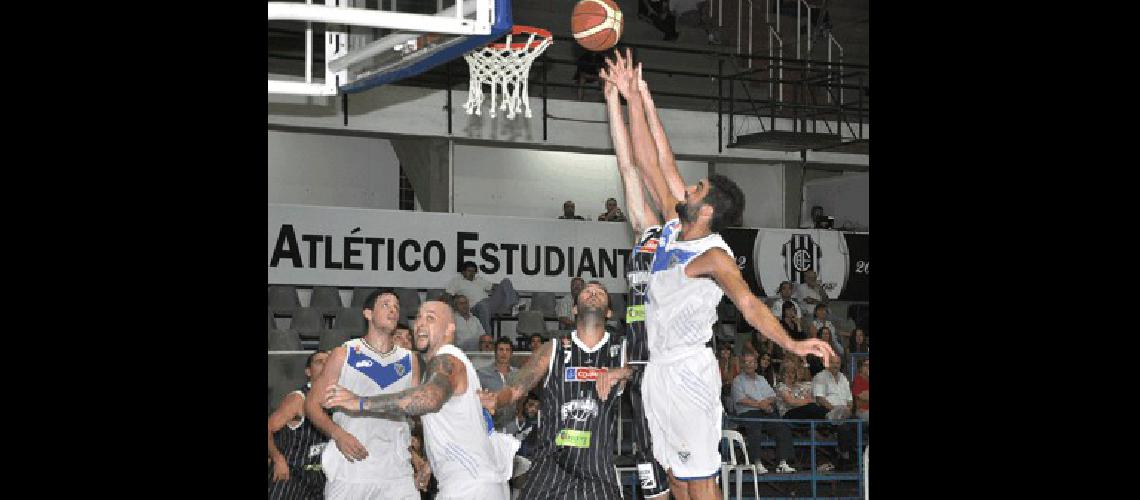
(596, 24)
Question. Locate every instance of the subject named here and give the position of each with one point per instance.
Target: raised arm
(621, 74)
(446, 376)
(641, 215)
(665, 160)
(718, 265)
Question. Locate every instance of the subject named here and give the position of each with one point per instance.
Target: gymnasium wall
(326, 170)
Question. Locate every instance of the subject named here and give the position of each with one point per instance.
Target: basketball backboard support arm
(461, 30)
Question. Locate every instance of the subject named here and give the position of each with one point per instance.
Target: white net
(505, 70)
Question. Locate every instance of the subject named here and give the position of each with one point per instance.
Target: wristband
(361, 405)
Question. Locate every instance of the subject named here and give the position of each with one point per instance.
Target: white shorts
(682, 405)
(379, 490)
(472, 491)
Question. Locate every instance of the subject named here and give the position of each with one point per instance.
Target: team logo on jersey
(615, 351)
(580, 409)
(650, 246)
(634, 314)
(364, 363)
(646, 476)
(801, 254)
(582, 374)
(316, 449)
(683, 455)
(399, 369)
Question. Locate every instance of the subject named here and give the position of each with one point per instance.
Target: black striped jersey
(301, 444)
(637, 274)
(574, 452)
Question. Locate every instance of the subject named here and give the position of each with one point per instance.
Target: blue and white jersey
(367, 373)
(680, 312)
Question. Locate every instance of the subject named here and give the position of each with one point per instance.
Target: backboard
(327, 47)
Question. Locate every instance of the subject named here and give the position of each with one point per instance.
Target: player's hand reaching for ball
(813, 346)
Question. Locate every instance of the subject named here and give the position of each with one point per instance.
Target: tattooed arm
(521, 381)
(446, 376)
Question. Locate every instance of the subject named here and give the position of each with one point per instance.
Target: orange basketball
(596, 24)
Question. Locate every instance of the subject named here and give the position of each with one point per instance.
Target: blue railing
(629, 477)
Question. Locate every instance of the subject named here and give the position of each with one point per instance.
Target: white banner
(363, 247)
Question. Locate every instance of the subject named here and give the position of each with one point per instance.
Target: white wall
(845, 197)
(336, 171)
(534, 183)
(763, 186)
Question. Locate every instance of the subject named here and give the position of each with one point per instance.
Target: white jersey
(680, 312)
(458, 443)
(367, 373)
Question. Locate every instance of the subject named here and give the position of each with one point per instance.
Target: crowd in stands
(759, 380)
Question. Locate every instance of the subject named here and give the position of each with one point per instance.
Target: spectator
(785, 292)
(811, 292)
(475, 290)
(468, 329)
(524, 423)
(766, 368)
(486, 343)
(861, 390)
(493, 378)
(825, 334)
(535, 342)
(563, 307)
(658, 13)
(795, 392)
(295, 444)
(587, 65)
(753, 397)
(819, 320)
(729, 367)
(859, 342)
(832, 391)
(568, 209)
(792, 323)
(612, 213)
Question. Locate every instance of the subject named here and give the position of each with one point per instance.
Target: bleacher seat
(283, 299)
(272, 324)
(286, 374)
(350, 319)
(543, 301)
(531, 322)
(326, 300)
(359, 294)
(306, 322)
(435, 293)
(409, 303)
(284, 340)
(335, 337)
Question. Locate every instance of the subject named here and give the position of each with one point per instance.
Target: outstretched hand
(619, 72)
(813, 346)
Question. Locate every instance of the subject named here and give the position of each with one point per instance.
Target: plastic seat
(409, 302)
(359, 294)
(543, 301)
(306, 322)
(531, 322)
(284, 340)
(283, 299)
(335, 337)
(435, 293)
(349, 319)
(326, 300)
(272, 324)
(734, 438)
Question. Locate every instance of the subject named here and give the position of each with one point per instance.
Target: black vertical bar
(448, 97)
(719, 104)
(344, 107)
(731, 108)
(544, 113)
(860, 105)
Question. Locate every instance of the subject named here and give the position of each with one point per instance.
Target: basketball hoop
(505, 65)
